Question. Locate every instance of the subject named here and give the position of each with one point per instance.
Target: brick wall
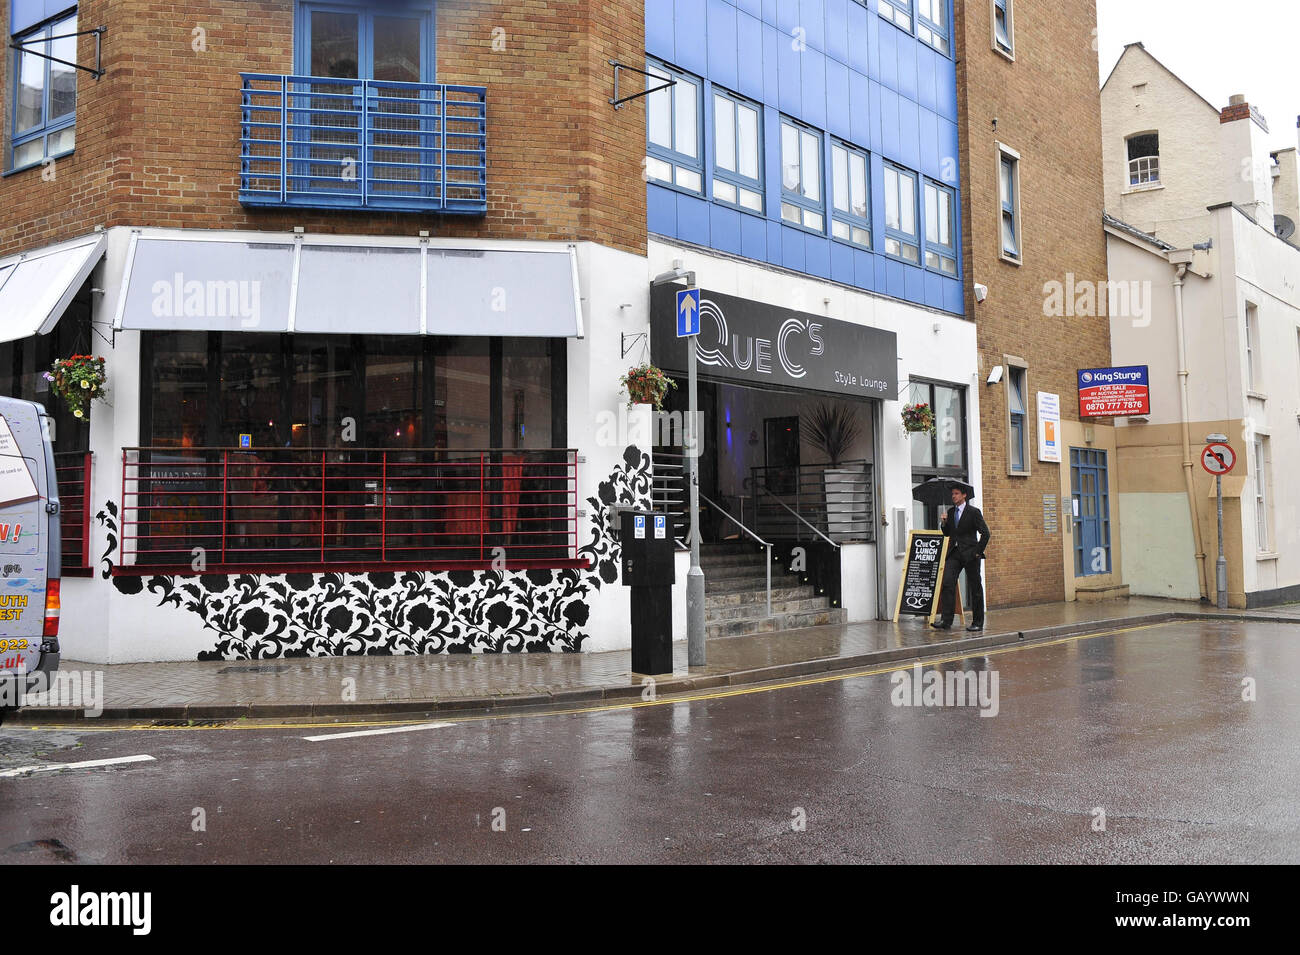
(1047, 109)
(158, 136)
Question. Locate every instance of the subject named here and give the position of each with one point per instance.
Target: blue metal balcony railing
(351, 144)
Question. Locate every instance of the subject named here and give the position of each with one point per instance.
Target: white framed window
(902, 238)
(1263, 502)
(802, 202)
(1252, 348)
(932, 23)
(1009, 196)
(940, 228)
(737, 151)
(1143, 159)
(897, 12)
(673, 154)
(1017, 381)
(850, 194)
(1004, 28)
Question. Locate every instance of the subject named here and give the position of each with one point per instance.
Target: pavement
(350, 686)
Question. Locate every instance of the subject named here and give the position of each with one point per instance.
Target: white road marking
(85, 764)
(392, 729)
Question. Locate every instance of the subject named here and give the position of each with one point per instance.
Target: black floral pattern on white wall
(260, 616)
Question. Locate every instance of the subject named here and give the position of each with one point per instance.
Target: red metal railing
(72, 471)
(300, 508)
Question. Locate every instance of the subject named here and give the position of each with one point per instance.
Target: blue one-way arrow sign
(688, 312)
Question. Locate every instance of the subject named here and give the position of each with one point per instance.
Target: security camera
(995, 375)
(981, 292)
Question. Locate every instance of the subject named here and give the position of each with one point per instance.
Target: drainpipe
(1181, 259)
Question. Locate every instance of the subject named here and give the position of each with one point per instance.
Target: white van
(30, 551)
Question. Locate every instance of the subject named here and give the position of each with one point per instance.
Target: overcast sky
(1217, 47)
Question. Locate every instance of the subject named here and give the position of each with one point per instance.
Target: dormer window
(1144, 159)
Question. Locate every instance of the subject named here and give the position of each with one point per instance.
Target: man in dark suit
(963, 523)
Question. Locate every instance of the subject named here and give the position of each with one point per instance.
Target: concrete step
(735, 597)
(784, 621)
(741, 573)
(727, 585)
(1095, 594)
(728, 561)
(759, 608)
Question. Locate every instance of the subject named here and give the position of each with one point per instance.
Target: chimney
(1244, 159)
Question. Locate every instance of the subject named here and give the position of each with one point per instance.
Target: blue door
(1090, 490)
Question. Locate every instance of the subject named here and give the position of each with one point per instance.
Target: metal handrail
(725, 513)
(800, 517)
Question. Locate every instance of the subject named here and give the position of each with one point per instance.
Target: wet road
(1148, 727)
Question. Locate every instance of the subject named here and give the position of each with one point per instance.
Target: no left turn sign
(1218, 458)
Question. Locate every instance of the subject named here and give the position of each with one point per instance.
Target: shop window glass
(526, 392)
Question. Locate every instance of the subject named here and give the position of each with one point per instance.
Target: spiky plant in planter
(832, 429)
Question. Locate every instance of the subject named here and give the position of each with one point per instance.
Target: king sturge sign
(1114, 392)
(747, 341)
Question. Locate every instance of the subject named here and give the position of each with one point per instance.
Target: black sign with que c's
(922, 572)
(743, 340)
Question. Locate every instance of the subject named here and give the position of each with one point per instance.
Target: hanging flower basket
(78, 381)
(647, 385)
(918, 419)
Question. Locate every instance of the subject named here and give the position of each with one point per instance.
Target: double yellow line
(245, 724)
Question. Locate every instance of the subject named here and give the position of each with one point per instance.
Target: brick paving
(318, 685)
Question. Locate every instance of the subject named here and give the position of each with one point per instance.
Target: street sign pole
(695, 651)
(1221, 565)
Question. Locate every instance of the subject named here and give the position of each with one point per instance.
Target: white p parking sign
(638, 526)
(661, 527)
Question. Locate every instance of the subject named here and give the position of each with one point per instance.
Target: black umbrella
(938, 491)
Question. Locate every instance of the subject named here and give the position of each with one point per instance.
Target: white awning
(36, 287)
(282, 283)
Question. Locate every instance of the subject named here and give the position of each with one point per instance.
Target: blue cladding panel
(839, 67)
(661, 210)
(753, 237)
(842, 263)
(775, 237)
(860, 114)
(909, 134)
(812, 17)
(28, 13)
(813, 77)
(857, 38)
(725, 229)
(722, 43)
(750, 66)
(690, 34)
(837, 22)
(659, 30)
(792, 254)
(888, 52)
(838, 112)
(693, 219)
(817, 256)
(933, 290)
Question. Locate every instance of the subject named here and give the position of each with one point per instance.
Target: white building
(1198, 213)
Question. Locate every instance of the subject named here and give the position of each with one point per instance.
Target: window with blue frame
(940, 228)
(850, 192)
(44, 93)
(801, 176)
(1009, 187)
(673, 154)
(737, 151)
(932, 23)
(356, 41)
(898, 12)
(901, 236)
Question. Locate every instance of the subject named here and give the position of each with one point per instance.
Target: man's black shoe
(976, 626)
(941, 626)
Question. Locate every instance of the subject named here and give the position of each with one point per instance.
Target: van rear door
(24, 540)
